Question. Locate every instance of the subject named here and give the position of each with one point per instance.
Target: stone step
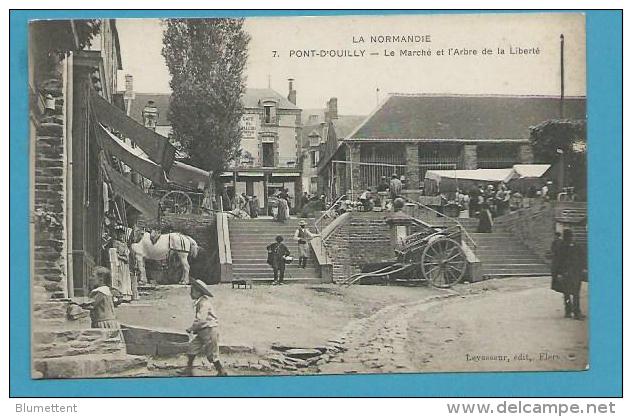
(259, 280)
(262, 271)
(104, 365)
(516, 272)
(522, 263)
(493, 274)
(262, 241)
(59, 343)
(502, 252)
(516, 266)
(509, 256)
(263, 264)
(268, 275)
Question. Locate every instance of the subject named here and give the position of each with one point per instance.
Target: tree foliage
(206, 59)
(553, 138)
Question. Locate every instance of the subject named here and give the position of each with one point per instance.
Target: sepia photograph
(308, 195)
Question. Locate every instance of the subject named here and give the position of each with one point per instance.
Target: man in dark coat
(556, 248)
(277, 252)
(573, 267)
(557, 280)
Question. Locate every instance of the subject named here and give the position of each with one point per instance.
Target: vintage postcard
(308, 195)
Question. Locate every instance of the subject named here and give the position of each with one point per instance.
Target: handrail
(330, 210)
(463, 229)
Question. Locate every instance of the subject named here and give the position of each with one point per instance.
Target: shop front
(263, 184)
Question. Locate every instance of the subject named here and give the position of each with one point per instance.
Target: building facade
(409, 134)
(270, 143)
(67, 199)
(320, 128)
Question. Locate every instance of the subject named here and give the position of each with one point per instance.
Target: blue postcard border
(603, 379)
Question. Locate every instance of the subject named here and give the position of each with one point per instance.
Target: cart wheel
(177, 202)
(443, 262)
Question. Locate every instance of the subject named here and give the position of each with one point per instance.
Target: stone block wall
(49, 198)
(533, 226)
(363, 238)
(525, 154)
(73, 342)
(203, 230)
(412, 166)
(354, 156)
(470, 157)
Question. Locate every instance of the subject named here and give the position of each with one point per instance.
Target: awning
(134, 158)
(484, 175)
(130, 191)
(250, 174)
(188, 176)
(287, 174)
(531, 170)
(155, 146)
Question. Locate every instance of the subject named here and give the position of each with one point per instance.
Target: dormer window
(269, 112)
(314, 139)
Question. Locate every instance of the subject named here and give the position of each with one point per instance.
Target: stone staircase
(248, 241)
(503, 255)
(71, 349)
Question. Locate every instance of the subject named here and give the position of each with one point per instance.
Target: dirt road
(503, 325)
(497, 325)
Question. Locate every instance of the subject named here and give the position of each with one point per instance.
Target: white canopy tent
(447, 180)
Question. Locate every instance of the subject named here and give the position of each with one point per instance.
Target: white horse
(181, 244)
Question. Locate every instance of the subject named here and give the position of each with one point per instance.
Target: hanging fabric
(106, 197)
(129, 156)
(129, 191)
(157, 147)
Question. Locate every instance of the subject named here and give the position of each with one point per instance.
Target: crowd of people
(499, 199)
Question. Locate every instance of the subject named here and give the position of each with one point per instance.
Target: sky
(280, 48)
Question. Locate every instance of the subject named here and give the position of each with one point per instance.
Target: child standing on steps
(205, 332)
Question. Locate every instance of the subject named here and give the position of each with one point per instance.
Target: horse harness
(180, 243)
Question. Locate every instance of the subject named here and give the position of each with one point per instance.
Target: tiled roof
(250, 100)
(466, 117)
(343, 125)
(346, 124)
(254, 95)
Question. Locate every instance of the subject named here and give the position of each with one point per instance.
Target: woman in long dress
(284, 210)
(485, 222)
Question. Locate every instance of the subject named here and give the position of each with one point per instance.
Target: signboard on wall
(249, 126)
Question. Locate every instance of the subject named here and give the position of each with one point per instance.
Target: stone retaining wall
(64, 343)
(533, 226)
(362, 238)
(49, 196)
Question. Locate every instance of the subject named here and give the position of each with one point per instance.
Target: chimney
(291, 95)
(332, 109)
(313, 119)
(150, 115)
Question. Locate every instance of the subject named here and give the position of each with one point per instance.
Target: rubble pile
(293, 358)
